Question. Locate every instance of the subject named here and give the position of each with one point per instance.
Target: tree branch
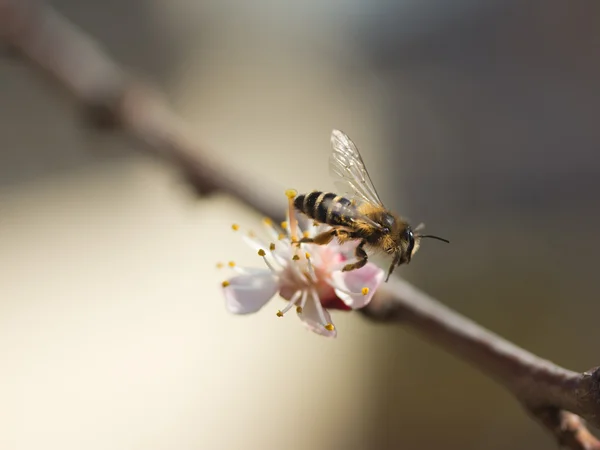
(557, 397)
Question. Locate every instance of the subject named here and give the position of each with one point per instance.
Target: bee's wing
(348, 170)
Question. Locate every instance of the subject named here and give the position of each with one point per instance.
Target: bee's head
(409, 244)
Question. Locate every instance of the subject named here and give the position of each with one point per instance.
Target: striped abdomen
(326, 207)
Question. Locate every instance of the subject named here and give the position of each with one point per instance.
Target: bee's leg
(392, 267)
(362, 258)
(320, 239)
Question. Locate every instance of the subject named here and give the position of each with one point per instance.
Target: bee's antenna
(434, 237)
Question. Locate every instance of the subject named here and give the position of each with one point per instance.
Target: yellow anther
(231, 264)
(306, 234)
(279, 314)
(284, 225)
(261, 252)
(235, 227)
(291, 193)
(307, 255)
(365, 290)
(225, 283)
(281, 236)
(315, 223)
(267, 221)
(272, 246)
(295, 257)
(299, 309)
(220, 265)
(329, 327)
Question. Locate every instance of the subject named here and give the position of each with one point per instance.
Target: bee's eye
(388, 221)
(410, 238)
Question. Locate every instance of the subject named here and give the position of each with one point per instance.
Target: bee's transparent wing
(348, 170)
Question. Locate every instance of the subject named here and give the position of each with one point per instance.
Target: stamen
(271, 228)
(291, 194)
(258, 244)
(289, 306)
(231, 264)
(300, 308)
(297, 270)
(242, 270)
(225, 283)
(320, 312)
(235, 227)
(311, 269)
(277, 258)
(220, 265)
(345, 291)
(262, 253)
(306, 234)
(281, 236)
(363, 291)
(284, 225)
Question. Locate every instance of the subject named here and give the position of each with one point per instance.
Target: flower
(308, 276)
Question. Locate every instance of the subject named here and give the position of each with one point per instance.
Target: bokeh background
(477, 118)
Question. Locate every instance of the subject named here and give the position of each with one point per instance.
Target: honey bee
(359, 214)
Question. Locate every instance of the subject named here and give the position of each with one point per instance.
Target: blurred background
(477, 118)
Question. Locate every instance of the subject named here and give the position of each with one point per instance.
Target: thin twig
(111, 98)
(569, 429)
(546, 390)
(559, 398)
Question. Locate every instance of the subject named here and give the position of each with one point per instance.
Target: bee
(359, 214)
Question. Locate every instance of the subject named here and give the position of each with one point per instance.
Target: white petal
(370, 276)
(310, 318)
(247, 293)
